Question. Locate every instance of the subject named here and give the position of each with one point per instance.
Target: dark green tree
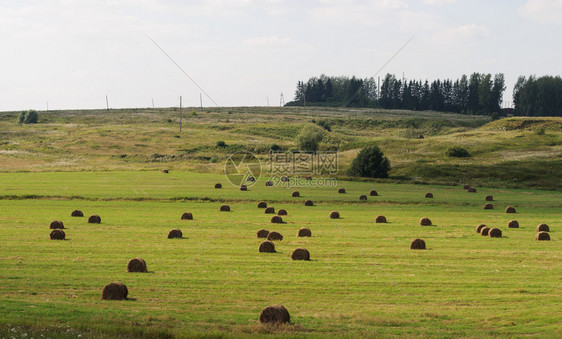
(371, 163)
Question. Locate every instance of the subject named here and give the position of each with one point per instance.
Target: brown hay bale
(175, 233)
(334, 215)
(309, 203)
(304, 232)
(380, 219)
(300, 254)
(417, 244)
(282, 212)
(513, 224)
(489, 198)
(276, 219)
(137, 265)
(270, 210)
(425, 221)
(94, 219)
(465, 187)
(373, 193)
(243, 187)
(76, 213)
(267, 247)
(284, 179)
(296, 194)
(429, 195)
(495, 233)
(276, 314)
(262, 204)
(56, 224)
(488, 207)
(542, 236)
(218, 185)
(225, 208)
(274, 236)
(510, 209)
(165, 171)
(484, 231)
(263, 233)
(269, 183)
(341, 190)
(363, 197)
(543, 228)
(479, 228)
(471, 190)
(57, 234)
(251, 179)
(187, 216)
(115, 291)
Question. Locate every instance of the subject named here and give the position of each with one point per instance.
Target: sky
(71, 54)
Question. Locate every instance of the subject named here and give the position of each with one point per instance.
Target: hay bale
(175, 233)
(489, 198)
(115, 291)
(363, 197)
(373, 193)
(543, 228)
(300, 254)
(510, 209)
(334, 215)
(380, 219)
(262, 204)
(263, 233)
(56, 224)
(270, 210)
(484, 231)
(274, 236)
(137, 265)
(465, 187)
(513, 224)
(282, 212)
(276, 219)
(276, 314)
(57, 234)
(304, 232)
(243, 187)
(425, 221)
(284, 179)
(417, 244)
(187, 216)
(429, 195)
(308, 203)
(495, 233)
(76, 213)
(341, 190)
(479, 228)
(225, 208)
(488, 207)
(218, 185)
(296, 194)
(165, 171)
(542, 236)
(251, 179)
(269, 183)
(267, 247)
(94, 219)
(471, 190)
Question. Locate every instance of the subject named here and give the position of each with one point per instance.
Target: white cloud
(266, 41)
(438, 2)
(544, 11)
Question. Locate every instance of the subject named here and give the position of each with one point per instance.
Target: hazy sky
(72, 53)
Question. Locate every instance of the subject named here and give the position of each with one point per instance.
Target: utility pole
(180, 114)
(201, 99)
(152, 102)
(107, 102)
(281, 100)
(267, 101)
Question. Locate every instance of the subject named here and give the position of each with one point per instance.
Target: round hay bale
(495, 233)
(309, 203)
(282, 212)
(300, 254)
(304, 232)
(137, 265)
(542, 236)
(267, 247)
(270, 210)
(276, 219)
(489, 198)
(284, 179)
(225, 208)
(276, 314)
(429, 195)
(296, 194)
(484, 231)
(262, 204)
(251, 179)
(425, 221)
(175, 233)
(187, 216)
(56, 224)
(543, 228)
(510, 209)
(57, 234)
(341, 190)
(115, 291)
(479, 228)
(363, 197)
(218, 185)
(165, 171)
(243, 187)
(274, 236)
(76, 213)
(94, 219)
(334, 215)
(380, 219)
(373, 193)
(488, 207)
(417, 244)
(263, 233)
(465, 187)
(513, 224)
(269, 183)
(471, 190)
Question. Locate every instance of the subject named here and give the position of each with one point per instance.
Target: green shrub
(28, 117)
(274, 147)
(371, 163)
(324, 124)
(309, 137)
(221, 143)
(457, 152)
(540, 130)
(214, 159)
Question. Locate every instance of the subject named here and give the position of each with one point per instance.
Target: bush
(540, 130)
(309, 138)
(457, 152)
(325, 125)
(214, 159)
(221, 143)
(274, 147)
(28, 117)
(370, 162)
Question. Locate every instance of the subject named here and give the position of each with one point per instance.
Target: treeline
(538, 96)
